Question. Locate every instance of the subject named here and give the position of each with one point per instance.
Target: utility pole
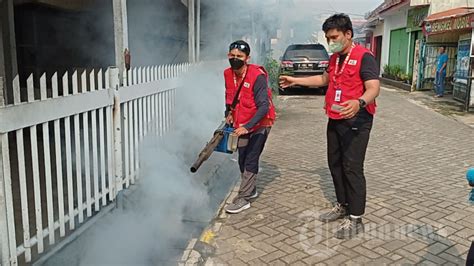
(120, 35)
(191, 31)
(198, 30)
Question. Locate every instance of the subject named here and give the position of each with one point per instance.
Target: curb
(199, 251)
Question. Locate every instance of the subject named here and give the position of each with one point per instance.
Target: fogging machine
(224, 140)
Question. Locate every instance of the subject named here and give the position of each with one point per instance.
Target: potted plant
(387, 71)
(396, 72)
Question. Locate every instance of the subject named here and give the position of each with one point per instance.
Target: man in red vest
(353, 85)
(250, 109)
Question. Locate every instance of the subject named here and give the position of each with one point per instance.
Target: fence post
(2, 92)
(4, 243)
(114, 80)
(4, 251)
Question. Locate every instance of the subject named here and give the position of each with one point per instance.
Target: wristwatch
(362, 103)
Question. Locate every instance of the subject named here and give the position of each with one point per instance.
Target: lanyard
(243, 78)
(237, 93)
(337, 71)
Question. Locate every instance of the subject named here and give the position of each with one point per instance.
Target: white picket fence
(64, 158)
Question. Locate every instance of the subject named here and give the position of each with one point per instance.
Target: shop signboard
(449, 24)
(416, 17)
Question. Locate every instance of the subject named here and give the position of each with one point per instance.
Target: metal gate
(429, 55)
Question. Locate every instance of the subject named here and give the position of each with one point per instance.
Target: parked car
(301, 60)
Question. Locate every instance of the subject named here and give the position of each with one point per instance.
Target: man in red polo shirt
(353, 85)
(246, 87)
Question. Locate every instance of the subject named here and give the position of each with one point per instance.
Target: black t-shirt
(369, 69)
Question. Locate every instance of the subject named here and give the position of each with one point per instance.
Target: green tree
(273, 67)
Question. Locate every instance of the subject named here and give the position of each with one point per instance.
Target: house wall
(396, 19)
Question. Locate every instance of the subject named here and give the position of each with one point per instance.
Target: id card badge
(337, 97)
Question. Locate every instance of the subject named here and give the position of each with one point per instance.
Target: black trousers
(470, 256)
(347, 141)
(250, 148)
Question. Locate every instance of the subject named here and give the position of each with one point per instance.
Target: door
(378, 49)
(398, 48)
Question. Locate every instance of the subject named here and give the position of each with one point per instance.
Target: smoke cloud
(157, 218)
(170, 205)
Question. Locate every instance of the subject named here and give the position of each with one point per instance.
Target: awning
(450, 20)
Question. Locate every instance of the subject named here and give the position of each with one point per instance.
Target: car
(302, 60)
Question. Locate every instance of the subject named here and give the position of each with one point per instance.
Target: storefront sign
(451, 24)
(415, 18)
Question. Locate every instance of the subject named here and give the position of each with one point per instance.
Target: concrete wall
(419, 2)
(50, 39)
(392, 21)
(442, 5)
(158, 31)
(55, 39)
(379, 29)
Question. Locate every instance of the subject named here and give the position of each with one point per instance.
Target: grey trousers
(250, 148)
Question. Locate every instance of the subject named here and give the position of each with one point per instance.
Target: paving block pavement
(417, 210)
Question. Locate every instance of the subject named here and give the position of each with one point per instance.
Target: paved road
(417, 210)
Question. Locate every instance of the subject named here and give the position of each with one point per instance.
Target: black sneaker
(349, 228)
(337, 212)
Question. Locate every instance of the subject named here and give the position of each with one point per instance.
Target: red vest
(349, 82)
(246, 108)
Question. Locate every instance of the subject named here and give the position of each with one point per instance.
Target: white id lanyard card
(337, 97)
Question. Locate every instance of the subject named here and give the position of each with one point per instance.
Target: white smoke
(154, 216)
